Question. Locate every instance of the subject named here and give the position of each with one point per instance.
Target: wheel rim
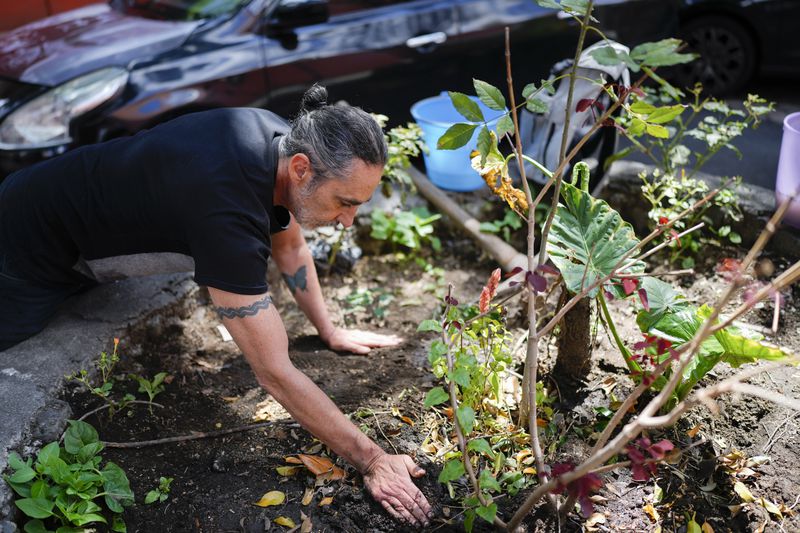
(723, 61)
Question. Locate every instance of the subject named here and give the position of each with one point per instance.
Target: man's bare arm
(258, 331)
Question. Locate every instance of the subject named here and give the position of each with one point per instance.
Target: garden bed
(218, 480)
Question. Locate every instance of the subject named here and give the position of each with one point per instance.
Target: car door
(372, 53)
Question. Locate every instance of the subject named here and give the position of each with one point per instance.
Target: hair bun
(316, 97)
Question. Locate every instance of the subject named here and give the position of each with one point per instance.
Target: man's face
(336, 200)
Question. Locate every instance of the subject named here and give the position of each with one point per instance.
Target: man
(212, 191)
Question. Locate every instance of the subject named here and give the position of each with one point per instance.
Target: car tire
(728, 55)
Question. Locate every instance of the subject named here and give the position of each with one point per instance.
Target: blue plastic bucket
(449, 169)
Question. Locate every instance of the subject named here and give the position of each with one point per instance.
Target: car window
(177, 9)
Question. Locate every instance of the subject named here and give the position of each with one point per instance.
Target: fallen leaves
(273, 497)
(284, 521)
(322, 467)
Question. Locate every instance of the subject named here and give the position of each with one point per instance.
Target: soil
(217, 480)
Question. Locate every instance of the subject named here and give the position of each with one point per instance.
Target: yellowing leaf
(651, 512)
(407, 420)
(287, 470)
(771, 507)
(693, 527)
(743, 492)
(530, 471)
(284, 521)
(273, 497)
(293, 460)
(305, 526)
(694, 431)
(308, 495)
(325, 501)
(706, 528)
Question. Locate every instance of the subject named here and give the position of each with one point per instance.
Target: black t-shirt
(198, 187)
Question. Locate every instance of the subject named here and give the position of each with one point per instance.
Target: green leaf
(429, 325)
(552, 4)
(437, 351)
(16, 462)
(607, 55)
(456, 136)
(452, 470)
(88, 519)
(661, 53)
(657, 131)
(36, 507)
(485, 144)
(735, 238)
(48, 453)
(663, 115)
(482, 446)
(487, 512)
(488, 482)
(118, 525)
(504, 125)
(435, 396)
(637, 127)
(79, 435)
(663, 299)
(469, 515)
(588, 239)
(23, 475)
(536, 105)
(151, 497)
(528, 90)
(466, 418)
(35, 526)
(39, 489)
(466, 106)
(461, 376)
(117, 488)
(89, 451)
(489, 95)
(642, 107)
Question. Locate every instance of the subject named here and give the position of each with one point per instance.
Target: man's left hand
(357, 341)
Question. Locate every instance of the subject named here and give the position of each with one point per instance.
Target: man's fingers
(413, 469)
(402, 510)
(416, 507)
(391, 511)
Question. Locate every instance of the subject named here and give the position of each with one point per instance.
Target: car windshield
(178, 9)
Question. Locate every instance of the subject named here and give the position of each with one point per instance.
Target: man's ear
(299, 169)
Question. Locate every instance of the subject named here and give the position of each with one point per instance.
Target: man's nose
(347, 217)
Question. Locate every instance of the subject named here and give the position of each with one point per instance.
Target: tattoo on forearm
(297, 281)
(248, 310)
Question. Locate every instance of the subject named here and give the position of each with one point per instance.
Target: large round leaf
(588, 239)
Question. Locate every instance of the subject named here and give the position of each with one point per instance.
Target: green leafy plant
(504, 226)
(374, 302)
(66, 487)
(160, 493)
(152, 387)
(404, 143)
(412, 230)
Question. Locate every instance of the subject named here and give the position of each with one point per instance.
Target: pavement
(32, 372)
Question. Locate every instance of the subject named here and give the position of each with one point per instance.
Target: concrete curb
(32, 373)
(622, 191)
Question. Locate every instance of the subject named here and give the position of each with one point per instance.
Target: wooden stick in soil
(196, 435)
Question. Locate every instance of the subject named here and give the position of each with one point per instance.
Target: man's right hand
(388, 480)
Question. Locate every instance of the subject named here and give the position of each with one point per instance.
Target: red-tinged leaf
(583, 105)
(548, 269)
(661, 448)
(729, 264)
(609, 295)
(599, 105)
(641, 345)
(537, 282)
(629, 285)
(643, 298)
(638, 92)
(662, 221)
(513, 283)
(456, 324)
(663, 345)
(514, 272)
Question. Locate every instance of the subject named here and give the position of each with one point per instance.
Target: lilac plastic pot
(787, 184)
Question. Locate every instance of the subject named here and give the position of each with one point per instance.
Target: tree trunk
(574, 343)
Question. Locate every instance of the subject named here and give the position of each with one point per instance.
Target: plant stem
(609, 321)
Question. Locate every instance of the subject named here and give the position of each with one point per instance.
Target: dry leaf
(316, 464)
(314, 449)
(756, 460)
(608, 384)
(651, 512)
(530, 471)
(771, 507)
(706, 528)
(325, 501)
(743, 492)
(541, 422)
(694, 431)
(734, 509)
(306, 525)
(448, 411)
(273, 497)
(592, 521)
(407, 420)
(308, 495)
(287, 470)
(293, 460)
(284, 521)
(230, 399)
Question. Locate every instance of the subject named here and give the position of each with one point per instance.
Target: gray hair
(332, 136)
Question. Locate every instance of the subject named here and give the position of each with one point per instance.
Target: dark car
(738, 38)
(14, 14)
(105, 71)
